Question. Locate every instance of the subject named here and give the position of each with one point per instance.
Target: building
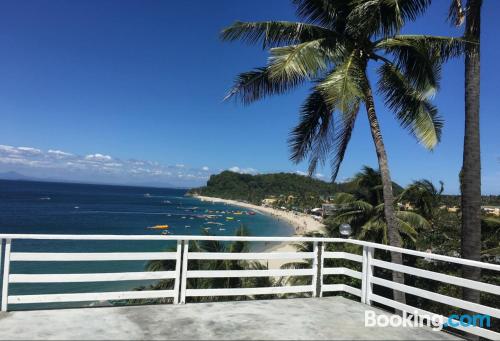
(269, 202)
(492, 210)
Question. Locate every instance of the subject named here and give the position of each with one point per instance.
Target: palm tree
(470, 176)
(332, 49)
(368, 220)
(424, 196)
(210, 283)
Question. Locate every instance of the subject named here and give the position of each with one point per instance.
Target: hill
(254, 188)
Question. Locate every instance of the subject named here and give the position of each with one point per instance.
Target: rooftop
(309, 318)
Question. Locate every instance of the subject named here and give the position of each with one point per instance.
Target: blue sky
(139, 84)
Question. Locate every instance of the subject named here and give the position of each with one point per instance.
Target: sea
(69, 208)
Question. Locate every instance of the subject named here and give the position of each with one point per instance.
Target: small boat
(45, 198)
(159, 227)
(187, 226)
(165, 232)
(222, 229)
(229, 218)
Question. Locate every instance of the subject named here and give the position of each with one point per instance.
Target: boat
(165, 232)
(222, 229)
(159, 227)
(229, 218)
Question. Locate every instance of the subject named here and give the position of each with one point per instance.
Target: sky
(124, 91)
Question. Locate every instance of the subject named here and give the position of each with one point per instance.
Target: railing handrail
(317, 270)
(428, 255)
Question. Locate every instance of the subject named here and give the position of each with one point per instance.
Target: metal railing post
(184, 270)
(178, 266)
(6, 272)
(367, 274)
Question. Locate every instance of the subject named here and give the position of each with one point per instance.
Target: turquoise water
(60, 208)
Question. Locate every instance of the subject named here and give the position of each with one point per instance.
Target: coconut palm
(210, 283)
(368, 221)
(470, 176)
(424, 196)
(332, 49)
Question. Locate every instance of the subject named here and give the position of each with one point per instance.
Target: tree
(424, 196)
(470, 176)
(368, 221)
(210, 265)
(332, 48)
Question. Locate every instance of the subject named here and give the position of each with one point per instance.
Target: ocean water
(62, 208)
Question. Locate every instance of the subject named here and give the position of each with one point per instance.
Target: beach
(302, 223)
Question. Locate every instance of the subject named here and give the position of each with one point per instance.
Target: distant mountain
(17, 176)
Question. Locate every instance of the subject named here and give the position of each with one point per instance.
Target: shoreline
(300, 222)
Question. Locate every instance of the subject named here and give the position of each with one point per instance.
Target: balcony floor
(323, 318)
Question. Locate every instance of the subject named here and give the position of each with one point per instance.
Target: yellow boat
(159, 227)
(229, 218)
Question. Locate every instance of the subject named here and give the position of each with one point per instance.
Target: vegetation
(201, 283)
(307, 192)
(333, 48)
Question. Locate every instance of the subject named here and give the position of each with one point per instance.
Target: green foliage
(307, 192)
(254, 188)
(332, 49)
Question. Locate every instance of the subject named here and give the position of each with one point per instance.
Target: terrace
(314, 317)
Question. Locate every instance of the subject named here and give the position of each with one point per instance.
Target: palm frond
(343, 90)
(326, 13)
(416, 221)
(420, 56)
(303, 61)
(273, 33)
(456, 13)
(383, 17)
(257, 84)
(312, 133)
(412, 108)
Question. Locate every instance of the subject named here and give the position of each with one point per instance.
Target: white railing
(181, 274)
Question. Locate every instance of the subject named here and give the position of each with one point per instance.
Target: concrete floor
(309, 318)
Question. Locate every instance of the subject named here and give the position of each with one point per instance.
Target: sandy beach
(301, 222)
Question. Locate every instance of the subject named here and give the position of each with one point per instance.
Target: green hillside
(254, 188)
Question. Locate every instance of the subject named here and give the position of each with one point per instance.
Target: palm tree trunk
(392, 230)
(470, 178)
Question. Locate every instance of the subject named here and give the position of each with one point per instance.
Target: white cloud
(59, 153)
(319, 175)
(249, 170)
(29, 150)
(98, 157)
(60, 164)
(8, 149)
(301, 173)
